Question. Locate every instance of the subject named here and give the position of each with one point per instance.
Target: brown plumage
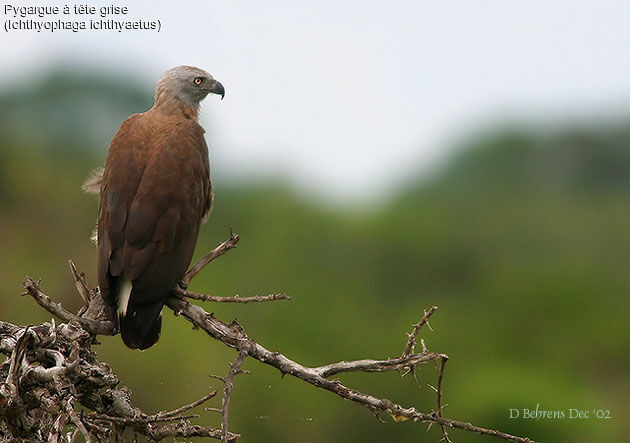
(155, 192)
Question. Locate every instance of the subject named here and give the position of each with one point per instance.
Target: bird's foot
(182, 284)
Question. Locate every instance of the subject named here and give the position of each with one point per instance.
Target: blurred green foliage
(523, 242)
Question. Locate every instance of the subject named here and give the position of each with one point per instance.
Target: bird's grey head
(188, 85)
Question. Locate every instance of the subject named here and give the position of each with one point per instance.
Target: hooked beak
(217, 88)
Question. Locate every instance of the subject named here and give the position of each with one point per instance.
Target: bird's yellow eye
(198, 81)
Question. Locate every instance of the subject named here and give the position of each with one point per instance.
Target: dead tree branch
(438, 396)
(233, 299)
(94, 327)
(62, 355)
(51, 370)
(411, 341)
(235, 369)
(230, 243)
(235, 337)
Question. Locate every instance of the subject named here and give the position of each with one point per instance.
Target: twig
(216, 252)
(235, 369)
(233, 299)
(376, 365)
(411, 342)
(94, 428)
(187, 407)
(136, 420)
(188, 431)
(67, 404)
(92, 326)
(443, 362)
(80, 282)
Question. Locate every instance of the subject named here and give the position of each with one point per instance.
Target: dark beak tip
(217, 88)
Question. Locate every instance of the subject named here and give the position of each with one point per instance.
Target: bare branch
(233, 299)
(235, 369)
(443, 362)
(67, 404)
(216, 252)
(80, 282)
(411, 342)
(235, 337)
(92, 326)
(376, 365)
(186, 430)
(175, 414)
(138, 420)
(187, 407)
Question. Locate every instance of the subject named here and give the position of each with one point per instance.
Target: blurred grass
(523, 242)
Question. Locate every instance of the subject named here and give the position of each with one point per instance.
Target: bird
(155, 192)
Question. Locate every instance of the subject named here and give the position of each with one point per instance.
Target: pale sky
(353, 97)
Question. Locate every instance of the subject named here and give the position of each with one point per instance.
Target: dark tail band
(140, 326)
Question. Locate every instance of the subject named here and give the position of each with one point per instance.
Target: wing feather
(156, 190)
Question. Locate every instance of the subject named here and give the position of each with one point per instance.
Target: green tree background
(522, 240)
